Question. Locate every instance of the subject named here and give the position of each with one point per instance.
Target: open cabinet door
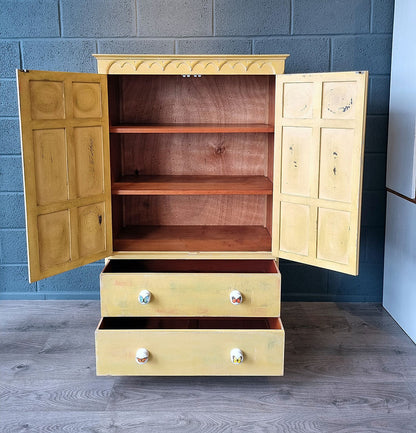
(65, 149)
(320, 122)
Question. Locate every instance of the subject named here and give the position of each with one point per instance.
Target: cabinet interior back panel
(195, 154)
(195, 210)
(207, 99)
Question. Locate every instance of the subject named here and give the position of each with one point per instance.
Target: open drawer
(248, 288)
(190, 346)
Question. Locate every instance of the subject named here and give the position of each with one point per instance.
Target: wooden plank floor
(349, 368)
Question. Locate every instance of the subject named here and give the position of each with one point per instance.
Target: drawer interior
(138, 323)
(193, 266)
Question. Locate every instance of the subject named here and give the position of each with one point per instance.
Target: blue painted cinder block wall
(320, 35)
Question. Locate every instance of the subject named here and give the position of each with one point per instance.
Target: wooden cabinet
(192, 175)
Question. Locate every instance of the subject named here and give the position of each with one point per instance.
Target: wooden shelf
(192, 185)
(200, 128)
(193, 238)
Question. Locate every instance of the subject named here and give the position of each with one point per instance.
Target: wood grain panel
(195, 210)
(207, 99)
(54, 239)
(87, 100)
(91, 229)
(195, 154)
(88, 144)
(196, 238)
(47, 99)
(51, 165)
(191, 128)
(192, 185)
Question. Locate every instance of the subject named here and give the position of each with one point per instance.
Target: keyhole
(100, 219)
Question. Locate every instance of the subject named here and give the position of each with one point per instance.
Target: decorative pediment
(191, 65)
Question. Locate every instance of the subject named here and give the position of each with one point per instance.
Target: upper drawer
(191, 288)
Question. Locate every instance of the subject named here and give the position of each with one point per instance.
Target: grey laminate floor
(349, 368)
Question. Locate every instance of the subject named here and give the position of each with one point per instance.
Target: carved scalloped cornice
(191, 65)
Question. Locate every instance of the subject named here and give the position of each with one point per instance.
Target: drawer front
(190, 294)
(190, 352)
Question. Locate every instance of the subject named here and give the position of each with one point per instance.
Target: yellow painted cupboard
(192, 175)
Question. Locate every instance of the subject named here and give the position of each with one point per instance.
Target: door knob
(236, 356)
(236, 297)
(142, 355)
(144, 297)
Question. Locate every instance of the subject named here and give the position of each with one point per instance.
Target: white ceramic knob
(144, 297)
(142, 355)
(236, 297)
(236, 356)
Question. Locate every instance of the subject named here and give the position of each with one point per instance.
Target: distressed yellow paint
(339, 99)
(190, 294)
(61, 174)
(295, 228)
(89, 160)
(91, 229)
(336, 164)
(87, 100)
(47, 99)
(54, 239)
(50, 161)
(297, 154)
(191, 64)
(184, 352)
(297, 100)
(333, 235)
(336, 115)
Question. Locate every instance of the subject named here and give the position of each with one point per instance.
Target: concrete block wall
(320, 35)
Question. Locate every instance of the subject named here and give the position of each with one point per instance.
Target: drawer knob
(142, 355)
(236, 297)
(144, 297)
(237, 356)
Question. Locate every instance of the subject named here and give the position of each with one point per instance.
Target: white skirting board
(399, 294)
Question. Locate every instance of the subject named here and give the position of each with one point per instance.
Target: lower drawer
(190, 346)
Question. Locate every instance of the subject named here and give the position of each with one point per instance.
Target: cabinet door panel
(320, 122)
(64, 130)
